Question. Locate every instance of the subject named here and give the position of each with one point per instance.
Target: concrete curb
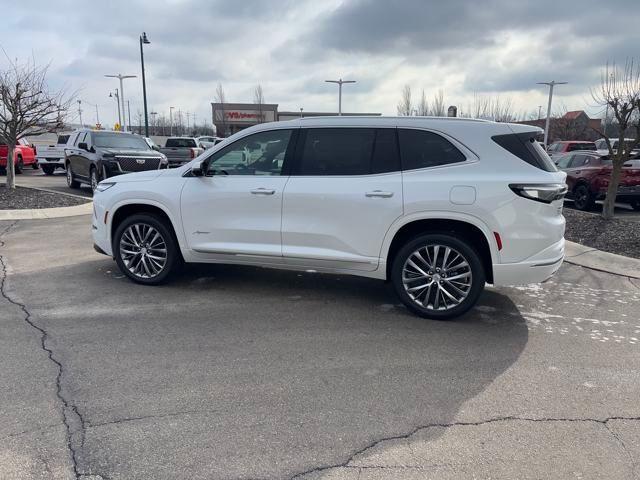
(44, 213)
(595, 259)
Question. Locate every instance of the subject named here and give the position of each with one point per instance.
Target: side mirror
(197, 170)
(83, 146)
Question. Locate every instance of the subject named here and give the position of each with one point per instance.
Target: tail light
(35, 150)
(193, 153)
(540, 192)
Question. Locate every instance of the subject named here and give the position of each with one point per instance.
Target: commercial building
(230, 118)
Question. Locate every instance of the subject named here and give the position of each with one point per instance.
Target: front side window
(564, 160)
(422, 149)
(258, 154)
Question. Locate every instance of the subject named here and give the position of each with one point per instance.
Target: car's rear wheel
(48, 169)
(145, 249)
(438, 276)
(71, 181)
(35, 165)
(582, 198)
(635, 205)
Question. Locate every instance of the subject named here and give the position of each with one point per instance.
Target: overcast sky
(488, 47)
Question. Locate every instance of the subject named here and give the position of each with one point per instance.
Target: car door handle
(379, 193)
(262, 191)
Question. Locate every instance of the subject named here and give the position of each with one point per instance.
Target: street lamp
(551, 84)
(117, 97)
(340, 82)
(122, 77)
(144, 41)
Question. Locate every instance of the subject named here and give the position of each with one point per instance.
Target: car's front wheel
(145, 249)
(93, 179)
(438, 276)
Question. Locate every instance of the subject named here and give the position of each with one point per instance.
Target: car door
(234, 211)
(344, 192)
(72, 152)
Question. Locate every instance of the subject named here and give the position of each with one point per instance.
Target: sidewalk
(603, 261)
(43, 213)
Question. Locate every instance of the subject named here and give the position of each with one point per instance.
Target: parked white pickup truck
(51, 157)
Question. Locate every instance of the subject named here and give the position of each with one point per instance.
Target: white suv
(438, 206)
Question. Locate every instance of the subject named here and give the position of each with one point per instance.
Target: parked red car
(556, 149)
(588, 178)
(23, 155)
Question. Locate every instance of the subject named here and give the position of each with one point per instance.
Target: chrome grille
(137, 164)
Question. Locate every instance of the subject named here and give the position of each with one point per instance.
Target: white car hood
(137, 176)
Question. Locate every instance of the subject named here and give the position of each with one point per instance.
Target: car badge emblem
(140, 161)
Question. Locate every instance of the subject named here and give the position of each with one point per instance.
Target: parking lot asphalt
(237, 372)
(56, 182)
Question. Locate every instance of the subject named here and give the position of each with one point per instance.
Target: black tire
(19, 165)
(71, 181)
(3, 171)
(35, 165)
(582, 198)
(94, 178)
(461, 247)
(48, 169)
(173, 257)
(635, 205)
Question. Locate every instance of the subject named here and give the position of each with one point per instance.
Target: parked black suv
(93, 155)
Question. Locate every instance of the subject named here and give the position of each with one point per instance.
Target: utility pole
(117, 97)
(122, 77)
(187, 114)
(301, 112)
(144, 41)
(551, 84)
(80, 112)
(539, 112)
(129, 110)
(340, 82)
(97, 116)
(154, 123)
(171, 121)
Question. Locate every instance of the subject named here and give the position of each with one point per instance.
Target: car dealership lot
(236, 372)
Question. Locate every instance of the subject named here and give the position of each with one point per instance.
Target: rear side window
(181, 142)
(337, 151)
(422, 149)
(62, 139)
(525, 147)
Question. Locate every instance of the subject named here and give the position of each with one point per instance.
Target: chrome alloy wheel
(143, 250)
(437, 277)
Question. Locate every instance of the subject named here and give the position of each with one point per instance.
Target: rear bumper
(535, 269)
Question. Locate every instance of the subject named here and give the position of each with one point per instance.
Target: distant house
(574, 125)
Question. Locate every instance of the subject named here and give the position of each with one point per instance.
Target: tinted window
(258, 154)
(525, 147)
(181, 142)
(581, 146)
(62, 139)
(119, 140)
(337, 151)
(80, 138)
(420, 149)
(386, 157)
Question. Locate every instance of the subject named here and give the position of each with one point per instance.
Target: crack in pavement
(624, 448)
(73, 421)
(345, 464)
(581, 253)
(601, 270)
(633, 281)
(144, 417)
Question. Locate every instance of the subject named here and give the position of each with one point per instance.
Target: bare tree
(437, 106)
(404, 106)
(28, 107)
(222, 100)
(502, 110)
(423, 105)
(258, 99)
(619, 92)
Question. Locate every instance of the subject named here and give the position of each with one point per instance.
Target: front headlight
(163, 158)
(102, 186)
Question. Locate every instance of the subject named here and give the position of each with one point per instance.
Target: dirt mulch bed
(24, 198)
(614, 236)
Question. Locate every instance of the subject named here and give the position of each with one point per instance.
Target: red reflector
(498, 240)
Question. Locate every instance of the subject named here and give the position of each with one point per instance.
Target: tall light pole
(144, 41)
(129, 110)
(171, 121)
(340, 82)
(122, 77)
(117, 97)
(551, 84)
(539, 112)
(154, 122)
(301, 112)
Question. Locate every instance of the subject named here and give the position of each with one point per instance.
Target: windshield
(119, 140)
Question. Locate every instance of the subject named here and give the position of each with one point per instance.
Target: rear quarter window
(525, 147)
(422, 149)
